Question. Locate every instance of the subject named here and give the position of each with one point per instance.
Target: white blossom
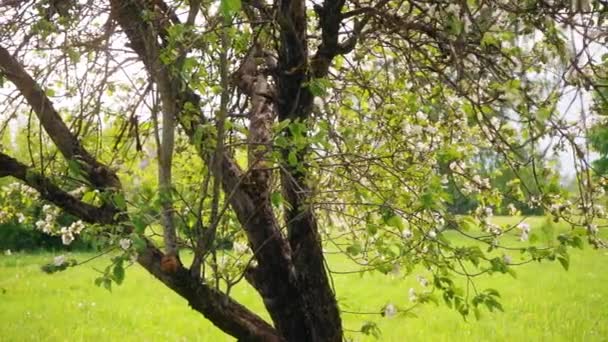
(512, 209)
(76, 227)
(59, 260)
(8, 252)
(407, 234)
(78, 192)
(412, 295)
(240, 248)
(45, 226)
(431, 130)
(421, 116)
(524, 227)
(390, 310)
(599, 210)
(494, 229)
(525, 231)
(66, 236)
(422, 280)
(124, 243)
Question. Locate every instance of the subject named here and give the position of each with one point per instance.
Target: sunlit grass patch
(544, 303)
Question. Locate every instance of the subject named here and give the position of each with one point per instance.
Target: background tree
(280, 127)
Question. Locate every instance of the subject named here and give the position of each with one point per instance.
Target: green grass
(544, 303)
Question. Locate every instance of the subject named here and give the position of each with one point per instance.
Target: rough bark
(220, 309)
(295, 103)
(274, 277)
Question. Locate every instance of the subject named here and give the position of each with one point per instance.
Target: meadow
(544, 303)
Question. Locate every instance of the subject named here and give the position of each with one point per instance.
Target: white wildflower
(432, 234)
(20, 217)
(592, 228)
(8, 252)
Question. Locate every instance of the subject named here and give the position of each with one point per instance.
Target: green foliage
(229, 7)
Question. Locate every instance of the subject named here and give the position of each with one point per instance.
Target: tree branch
(99, 174)
(51, 192)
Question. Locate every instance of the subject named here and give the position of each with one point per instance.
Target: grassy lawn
(544, 303)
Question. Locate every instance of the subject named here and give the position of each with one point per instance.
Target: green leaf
(354, 249)
(564, 262)
(292, 158)
(318, 86)
(370, 328)
(395, 221)
(138, 243)
(276, 198)
(118, 273)
(477, 313)
(119, 200)
(230, 7)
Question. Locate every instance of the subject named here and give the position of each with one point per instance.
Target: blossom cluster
(19, 188)
(67, 233)
(48, 223)
(525, 231)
